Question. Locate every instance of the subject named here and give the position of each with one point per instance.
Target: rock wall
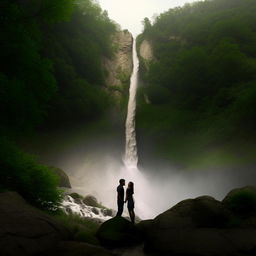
(119, 69)
(146, 51)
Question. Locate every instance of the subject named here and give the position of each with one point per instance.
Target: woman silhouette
(129, 199)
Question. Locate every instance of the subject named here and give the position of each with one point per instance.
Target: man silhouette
(120, 197)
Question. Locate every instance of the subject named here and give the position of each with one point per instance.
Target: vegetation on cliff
(201, 84)
(51, 74)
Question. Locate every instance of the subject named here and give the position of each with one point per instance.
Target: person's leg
(120, 206)
(132, 216)
(130, 213)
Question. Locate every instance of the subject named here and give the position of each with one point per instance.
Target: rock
(64, 179)
(199, 226)
(70, 248)
(95, 210)
(25, 230)
(146, 51)
(118, 232)
(203, 211)
(201, 241)
(91, 201)
(78, 198)
(241, 201)
(118, 69)
(107, 212)
(144, 226)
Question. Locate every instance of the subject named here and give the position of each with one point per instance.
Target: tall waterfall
(131, 157)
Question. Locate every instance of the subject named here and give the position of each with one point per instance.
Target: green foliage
(82, 229)
(204, 70)
(50, 69)
(22, 67)
(20, 172)
(50, 61)
(76, 49)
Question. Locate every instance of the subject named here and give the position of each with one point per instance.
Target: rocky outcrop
(118, 232)
(119, 68)
(205, 226)
(24, 230)
(146, 51)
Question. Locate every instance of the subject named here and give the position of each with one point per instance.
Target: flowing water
(131, 157)
(130, 171)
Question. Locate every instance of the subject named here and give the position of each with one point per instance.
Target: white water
(131, 157)
(130, 171)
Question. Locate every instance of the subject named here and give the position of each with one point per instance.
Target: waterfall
(131, 157)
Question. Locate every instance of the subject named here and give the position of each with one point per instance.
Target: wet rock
(95, 210)
(91, 201)
(108, 212)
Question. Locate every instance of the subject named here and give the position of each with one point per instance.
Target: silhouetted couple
(128, 199)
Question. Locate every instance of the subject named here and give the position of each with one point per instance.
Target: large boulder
(203, 211)
(199, 226)
(118, 232)
(25, 230)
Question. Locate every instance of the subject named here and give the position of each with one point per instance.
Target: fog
(129, 14)
(94, 165)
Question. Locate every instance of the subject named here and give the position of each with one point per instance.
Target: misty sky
(130, 13)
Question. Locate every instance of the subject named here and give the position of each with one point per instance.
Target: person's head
(122, 182)
(131, 185)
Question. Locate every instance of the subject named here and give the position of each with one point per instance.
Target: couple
(128, 198)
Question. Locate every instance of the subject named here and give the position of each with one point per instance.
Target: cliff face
(119, 69)
(146, 51)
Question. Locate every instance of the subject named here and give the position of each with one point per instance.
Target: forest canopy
(202, 82)
(50, 60)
